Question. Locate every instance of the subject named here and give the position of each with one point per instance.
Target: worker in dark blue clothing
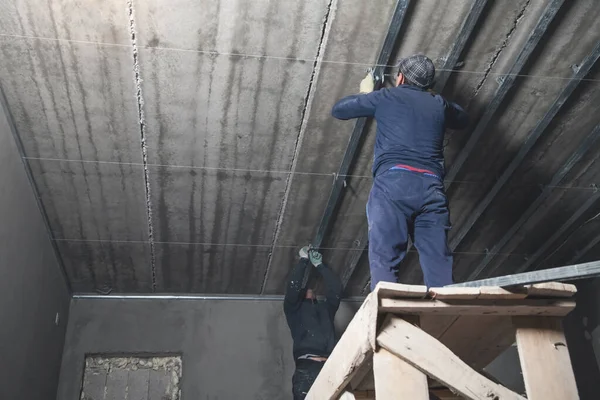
(310, 321)
(407, 197)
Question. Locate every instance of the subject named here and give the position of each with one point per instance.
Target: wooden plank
(545, 360)
(479, 339)
(466, 293)
(395, 379)
(351, 352)
(427, 354)
(495, 292)
(392, 290)
(471, 293)
(546, 307)
(551, 289)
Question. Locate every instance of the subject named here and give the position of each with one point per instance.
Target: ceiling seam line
(499, 51)
(310, 93)
(144, 150)
(36, 192)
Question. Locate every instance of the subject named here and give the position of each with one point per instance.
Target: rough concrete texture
(212, 122)
(354, 27)
(138, 378)
(229, 349)
(34, 298)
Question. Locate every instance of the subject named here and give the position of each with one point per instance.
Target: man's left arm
(333, 288)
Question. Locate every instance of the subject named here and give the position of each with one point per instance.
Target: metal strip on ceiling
(526, 147)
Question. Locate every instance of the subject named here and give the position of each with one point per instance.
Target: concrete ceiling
(183, 146)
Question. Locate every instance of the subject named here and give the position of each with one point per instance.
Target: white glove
(367, 85)
(303, 252)
(315, 257)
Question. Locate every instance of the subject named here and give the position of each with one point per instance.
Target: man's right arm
(357, 105)
(456, 116)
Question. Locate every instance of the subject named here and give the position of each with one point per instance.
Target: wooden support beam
(354, 348)
(396, 379)
(545, 307)
(470, 293)
(551, 289)
(363, 374)
(427, 354)
(544, 357)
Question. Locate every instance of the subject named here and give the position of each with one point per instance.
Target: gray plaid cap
(418, 69)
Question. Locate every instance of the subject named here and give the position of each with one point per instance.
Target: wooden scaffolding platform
(405, 342)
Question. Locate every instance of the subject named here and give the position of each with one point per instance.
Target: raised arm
(456, 116)
(333, 288)
(294, 291)
(357, 105)
(333, 285)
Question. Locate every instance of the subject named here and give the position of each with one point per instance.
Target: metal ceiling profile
(581, 72)
(446, 69)
(583, 148)
(506, 83)
(359, 128)
(585, 207)
(570, 272)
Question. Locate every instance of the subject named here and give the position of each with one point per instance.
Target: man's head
(310, 295)
(417, 70)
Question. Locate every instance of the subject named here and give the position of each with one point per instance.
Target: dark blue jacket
(311, 322)
(410, 125)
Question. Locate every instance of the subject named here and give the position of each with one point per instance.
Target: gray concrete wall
(32, 288)
(231, 349)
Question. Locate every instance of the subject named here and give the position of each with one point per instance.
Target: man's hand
(303, 252)
(315, 257)
(367, 85)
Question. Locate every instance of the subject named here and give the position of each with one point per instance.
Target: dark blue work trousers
(403, 203)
